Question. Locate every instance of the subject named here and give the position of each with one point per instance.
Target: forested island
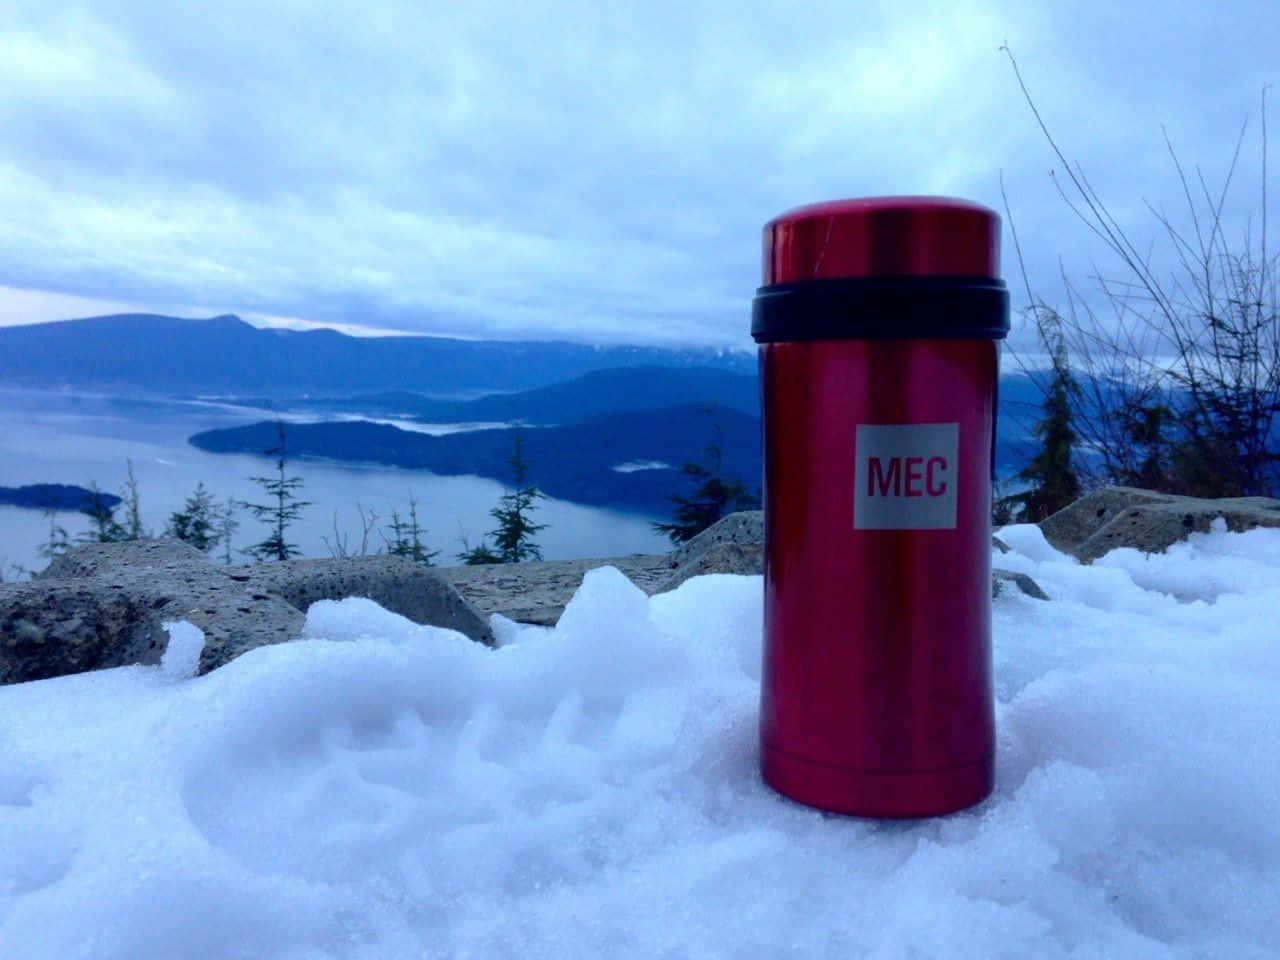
(627, 461)
(58, 496)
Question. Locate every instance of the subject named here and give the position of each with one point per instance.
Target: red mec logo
(905, 476)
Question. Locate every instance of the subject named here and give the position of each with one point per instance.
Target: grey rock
(733, 544)
(396, 583)
(745, 527)
(726, 556)
(161, 556)
(55, 627)
(537, 592)
(736, 545)
(234, 620)
(1000, 579)
(103, 605)
(712, 551)
(1112, 517)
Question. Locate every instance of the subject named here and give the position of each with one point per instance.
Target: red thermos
(878, 323)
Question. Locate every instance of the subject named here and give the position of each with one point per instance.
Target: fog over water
(48, 437)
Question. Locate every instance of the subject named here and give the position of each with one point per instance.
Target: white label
(905, 476)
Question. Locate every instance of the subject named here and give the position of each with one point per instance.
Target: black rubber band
(882, 308)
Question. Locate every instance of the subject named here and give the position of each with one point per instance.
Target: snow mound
(181, 658)
(381, 789)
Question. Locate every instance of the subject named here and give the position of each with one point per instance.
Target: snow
(384, 790)
(181, 656)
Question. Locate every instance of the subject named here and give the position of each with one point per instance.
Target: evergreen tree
(513, 537)
(227, 524)
(713, 497)
(1055, 482)
(283, 506)
(58, 542)
(479, 555)
(406, 537)
(132, 527)
(1147, 429)
(1052, 472)
(196, 523)
(105, 529)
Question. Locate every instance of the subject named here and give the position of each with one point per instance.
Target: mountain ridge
(596, 392)
(224, 354)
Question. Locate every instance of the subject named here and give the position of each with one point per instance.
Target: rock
(160, 556)
(1112, 517)
(103, 605)
(537, 592)
(736, 545)
(1001, 578)
(722, 557)
(745, 527)
(733, 544)
(55, 627)
(396, 583)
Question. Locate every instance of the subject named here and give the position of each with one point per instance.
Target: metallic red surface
(882, 236)
(877, 696)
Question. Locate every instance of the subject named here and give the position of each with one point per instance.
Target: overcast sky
(593, 171)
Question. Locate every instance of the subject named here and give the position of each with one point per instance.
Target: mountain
(592, 394)
(224, 355)
(577, 463)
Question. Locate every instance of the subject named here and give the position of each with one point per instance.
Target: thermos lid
(882, 268)
(882, 236)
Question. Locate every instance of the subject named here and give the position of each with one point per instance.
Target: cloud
(598, 172)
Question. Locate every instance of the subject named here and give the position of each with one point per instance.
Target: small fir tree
(227, 524)
(196, 523)
(58, 542)
(1147, 427)
(405, 538)
(713, 497)
(106, 528)
(102, 515)
(479, 555)
(283, 506)
(1052, 473)
(132, 526)
(513, 537)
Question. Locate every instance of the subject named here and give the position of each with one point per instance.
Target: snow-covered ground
(383, 790)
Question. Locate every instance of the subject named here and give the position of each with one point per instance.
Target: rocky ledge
(104, 605)
(1112, 517)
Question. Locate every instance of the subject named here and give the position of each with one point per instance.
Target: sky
(583, 171)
